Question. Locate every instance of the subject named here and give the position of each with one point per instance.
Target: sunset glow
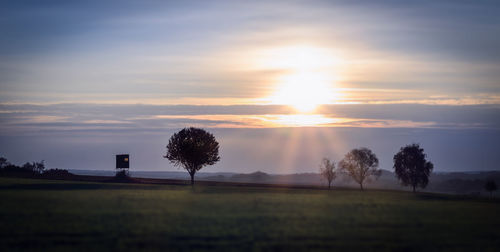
(93, 75)
(304, 91)
(308, 75)
(250, 125)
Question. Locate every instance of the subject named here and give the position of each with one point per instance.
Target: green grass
(79, 216)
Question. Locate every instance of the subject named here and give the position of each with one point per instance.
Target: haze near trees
(328, 171)
(361, 165)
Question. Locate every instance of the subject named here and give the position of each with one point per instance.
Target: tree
(490, 186)
(39, 167)
(360, 165)
(35, 167)
(28, 166)
(192, 148)
(411, 166)
(3, 162)
(327, 171)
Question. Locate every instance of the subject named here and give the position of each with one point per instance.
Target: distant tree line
(410, 167)
(361, 166)
(193, 148)
(31, 169)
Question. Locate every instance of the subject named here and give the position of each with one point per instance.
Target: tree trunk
(329, 185)
(192, 178)
(361, 186)
(413, 189)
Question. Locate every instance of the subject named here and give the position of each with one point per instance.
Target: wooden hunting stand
(122, 163)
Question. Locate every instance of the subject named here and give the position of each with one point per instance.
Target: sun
(304, 91)
(307, 79)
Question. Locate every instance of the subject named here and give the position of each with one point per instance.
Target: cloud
(423, 71)
(16, 119)
(170, 52)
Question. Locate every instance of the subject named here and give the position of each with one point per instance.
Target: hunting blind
(122, 163)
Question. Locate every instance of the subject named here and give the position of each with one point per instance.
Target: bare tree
(192, 148)
(328, 171)
(360, 165)
(411, 167)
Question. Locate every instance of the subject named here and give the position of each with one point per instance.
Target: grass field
(79, 216)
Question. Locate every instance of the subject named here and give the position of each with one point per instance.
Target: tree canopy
(192, 148)
(411, 166)
(361, 165)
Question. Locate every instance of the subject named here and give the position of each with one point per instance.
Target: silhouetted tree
(3, 162)
(411, 167)
(39, 167)
(35, 167)
(360, 165)
(490, 186)
(192, 148)
(28, 166)
(327, 171)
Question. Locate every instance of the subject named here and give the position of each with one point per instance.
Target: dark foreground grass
(79, 216)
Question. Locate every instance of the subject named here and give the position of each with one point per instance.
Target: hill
(443, 182)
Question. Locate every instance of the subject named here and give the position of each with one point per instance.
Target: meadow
(82, 216)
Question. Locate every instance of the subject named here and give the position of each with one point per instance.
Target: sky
(281, 84)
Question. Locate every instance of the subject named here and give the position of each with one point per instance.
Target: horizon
(258, 171)
(280, 84)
